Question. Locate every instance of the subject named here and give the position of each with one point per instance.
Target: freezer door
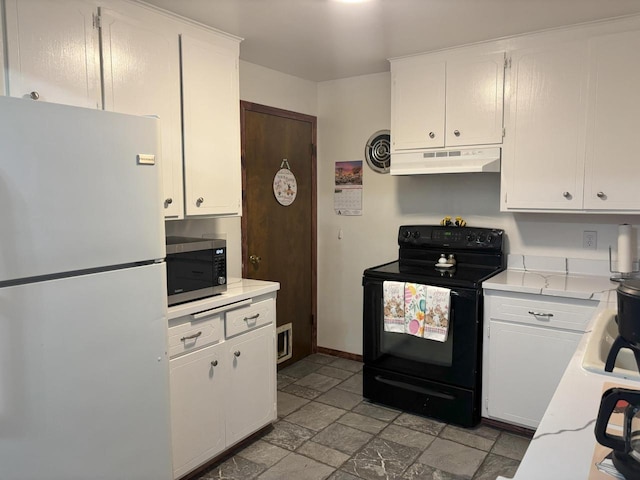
(74, 195)
(84, 383)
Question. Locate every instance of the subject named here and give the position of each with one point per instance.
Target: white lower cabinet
(528, 342)
(197, 416)
(223, 387)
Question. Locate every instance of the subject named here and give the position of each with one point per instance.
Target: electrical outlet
(590, 240)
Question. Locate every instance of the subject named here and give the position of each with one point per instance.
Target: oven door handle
(414, 388)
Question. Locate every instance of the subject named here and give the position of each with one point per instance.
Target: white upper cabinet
(141, 65)
(572, 129)
(613, 136)
(544, 148)
(38, 33)
(475, 95)
(446, 102)
(211, 110)
(418, 102)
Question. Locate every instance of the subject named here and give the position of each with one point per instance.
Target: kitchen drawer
(540, 310)
(203, 329)
(247, 318)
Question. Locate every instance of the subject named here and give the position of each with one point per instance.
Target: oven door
(454, 362)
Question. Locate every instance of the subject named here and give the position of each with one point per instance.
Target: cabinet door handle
(540, 314)
(199, 201)
(600, 195)
(191, 337)
(252, 317)
(456, 133)
(566, 194)
(214, 363)
(432, 135)
(34, 95)
(237, 353)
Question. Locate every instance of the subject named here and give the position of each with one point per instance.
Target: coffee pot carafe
(626, 447)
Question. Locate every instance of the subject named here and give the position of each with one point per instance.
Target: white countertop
(238, 289)
(563, 445)
(557, 284)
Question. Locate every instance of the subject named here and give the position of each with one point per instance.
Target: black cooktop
(470, 276)
(478, 253)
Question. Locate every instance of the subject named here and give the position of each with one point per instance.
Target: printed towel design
(437, 313)
(415, 296)
(393, 298)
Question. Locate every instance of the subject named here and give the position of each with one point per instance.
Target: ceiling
(329, 39)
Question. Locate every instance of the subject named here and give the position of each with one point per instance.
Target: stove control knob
(481, 238)
(471, 237)
(406, 234)
(490, 238)
(416, 234)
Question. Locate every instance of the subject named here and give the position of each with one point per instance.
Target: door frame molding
(255, 107)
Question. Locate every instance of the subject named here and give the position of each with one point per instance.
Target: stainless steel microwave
(196, 268)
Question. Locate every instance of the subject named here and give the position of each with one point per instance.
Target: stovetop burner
(478, 253)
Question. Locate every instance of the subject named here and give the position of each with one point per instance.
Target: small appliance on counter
(628, 320)
(196, 268)
(625, 404)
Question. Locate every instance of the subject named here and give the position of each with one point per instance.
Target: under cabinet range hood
(446, 161)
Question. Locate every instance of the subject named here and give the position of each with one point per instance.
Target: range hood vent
(446, 161)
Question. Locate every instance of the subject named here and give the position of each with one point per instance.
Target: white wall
(349, 111)
(267, 87)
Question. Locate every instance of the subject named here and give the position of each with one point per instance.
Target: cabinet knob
(167, 202)
(255, 259)
(34, 95)
(600, 195)
(199, 201)
(566, 194)
(214, 363)
(237, 353)
(456, 133)
(432, 135)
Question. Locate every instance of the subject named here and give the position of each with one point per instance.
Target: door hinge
(507, 62)
(97, 20)
(504, 132)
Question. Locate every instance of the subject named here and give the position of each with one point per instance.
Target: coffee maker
(628, 320)
(626, 447)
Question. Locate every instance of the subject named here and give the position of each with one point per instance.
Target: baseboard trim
(338, 353)
(526, 432)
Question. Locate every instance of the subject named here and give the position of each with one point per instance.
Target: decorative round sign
(285, 187)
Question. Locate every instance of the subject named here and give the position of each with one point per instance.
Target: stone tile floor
(326, 430)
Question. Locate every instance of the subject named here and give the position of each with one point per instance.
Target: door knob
(255, 259)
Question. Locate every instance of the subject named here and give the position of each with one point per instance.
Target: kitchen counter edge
(238, 289)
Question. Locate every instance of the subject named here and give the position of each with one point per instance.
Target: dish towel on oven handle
(393, 306)
(415, 296)
(437, 312)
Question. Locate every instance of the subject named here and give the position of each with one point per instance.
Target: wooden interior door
(279, 242)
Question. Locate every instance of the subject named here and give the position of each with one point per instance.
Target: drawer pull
(214, 363)
(237, 353)
(252, 317)
(191, 337)
(539, 314)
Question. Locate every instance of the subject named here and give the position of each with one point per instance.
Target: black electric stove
(436, 379)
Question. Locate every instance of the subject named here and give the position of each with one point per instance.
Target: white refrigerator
(84, 383)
